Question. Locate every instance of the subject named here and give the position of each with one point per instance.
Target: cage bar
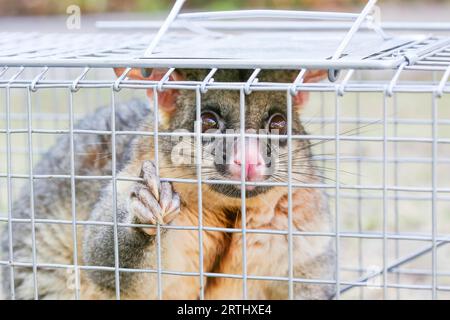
(362, 155)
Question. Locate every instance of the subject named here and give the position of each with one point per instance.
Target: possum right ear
(166, 98)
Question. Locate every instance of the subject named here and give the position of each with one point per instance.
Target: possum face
(259, 157)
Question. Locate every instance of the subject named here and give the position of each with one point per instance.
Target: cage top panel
(232, 50)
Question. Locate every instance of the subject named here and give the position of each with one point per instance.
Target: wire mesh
(379, 137)
(389, 200)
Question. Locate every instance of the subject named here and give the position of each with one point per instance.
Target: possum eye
(210, 121)
(278, 123)
(146, 72)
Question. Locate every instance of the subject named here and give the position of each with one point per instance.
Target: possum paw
(152, 201)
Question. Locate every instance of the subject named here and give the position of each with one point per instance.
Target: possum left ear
(301, 97)
(166, 98)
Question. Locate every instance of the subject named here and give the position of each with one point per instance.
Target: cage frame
(424, 59)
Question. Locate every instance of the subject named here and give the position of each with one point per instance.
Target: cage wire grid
(79, 67)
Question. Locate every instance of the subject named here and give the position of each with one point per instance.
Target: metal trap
(379, 133)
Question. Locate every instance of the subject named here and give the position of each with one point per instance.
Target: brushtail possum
(142, 197)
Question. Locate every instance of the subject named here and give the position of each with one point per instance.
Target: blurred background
(37, 11)
(45, 7)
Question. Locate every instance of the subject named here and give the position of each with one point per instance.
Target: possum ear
(166, 98)
(310, 76)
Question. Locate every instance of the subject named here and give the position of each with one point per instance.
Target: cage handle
(270, 14)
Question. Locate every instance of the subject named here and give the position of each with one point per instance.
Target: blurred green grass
(49, 7)
(101, 6)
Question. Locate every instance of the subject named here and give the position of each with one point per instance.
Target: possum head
(261, 156)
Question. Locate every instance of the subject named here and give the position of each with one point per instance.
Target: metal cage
(379, 127)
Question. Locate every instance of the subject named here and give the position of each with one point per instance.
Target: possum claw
(151, 179)
(153, 202)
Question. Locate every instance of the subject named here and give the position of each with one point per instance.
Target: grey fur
(52, 200)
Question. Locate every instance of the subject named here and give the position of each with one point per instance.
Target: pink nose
(254, 162)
